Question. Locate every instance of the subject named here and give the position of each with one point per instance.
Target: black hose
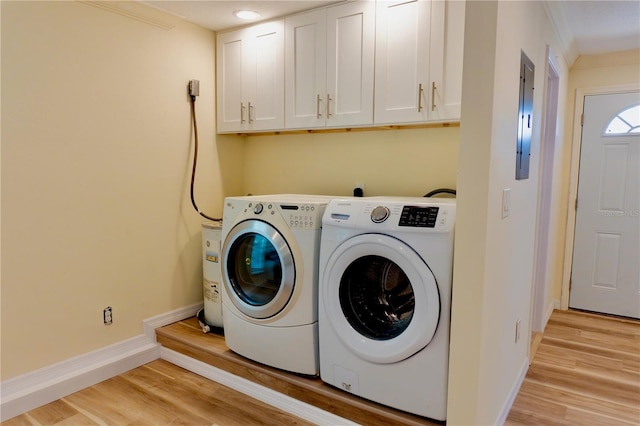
(195, 161)
(440, 191)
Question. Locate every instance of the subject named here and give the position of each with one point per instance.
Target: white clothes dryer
(385, 296)
(270, 279)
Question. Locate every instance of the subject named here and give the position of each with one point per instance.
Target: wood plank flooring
(187, 338)
(158, 393)
(586, 372)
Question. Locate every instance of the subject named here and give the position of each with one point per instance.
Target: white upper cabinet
(418, 61)
(402, 61)
(445, 69)
(250, 78)
(316, 69)
(350, 63)
(329, 66)
(305, 70)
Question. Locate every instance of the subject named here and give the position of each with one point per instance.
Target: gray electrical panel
(525, 117)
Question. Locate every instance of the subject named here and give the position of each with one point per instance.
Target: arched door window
(628, 121)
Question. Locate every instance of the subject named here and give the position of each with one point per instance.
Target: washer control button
(379, 214)
(258, 208)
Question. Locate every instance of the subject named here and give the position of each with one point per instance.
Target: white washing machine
(385, 296)
(270, 279)
(211, 290)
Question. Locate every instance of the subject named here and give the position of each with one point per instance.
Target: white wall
(494, 257)
(96, 146)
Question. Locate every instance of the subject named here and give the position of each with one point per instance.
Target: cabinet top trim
(349, 129)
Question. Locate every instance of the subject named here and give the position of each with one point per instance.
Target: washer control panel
(298, 216)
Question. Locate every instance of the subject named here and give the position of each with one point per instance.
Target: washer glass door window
(376, 297)
(258, 270)
(380, 298)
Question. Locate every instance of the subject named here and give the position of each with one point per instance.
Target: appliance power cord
(195, 160)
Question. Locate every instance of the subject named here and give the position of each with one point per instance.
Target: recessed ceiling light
(246, 14)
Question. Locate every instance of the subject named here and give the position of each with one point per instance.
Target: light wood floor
(586, 372)
(158, 393)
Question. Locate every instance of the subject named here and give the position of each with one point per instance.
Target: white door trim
(550, 140)
(581, 92)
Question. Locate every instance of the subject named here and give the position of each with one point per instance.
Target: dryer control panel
(393, 213)
(419, 216)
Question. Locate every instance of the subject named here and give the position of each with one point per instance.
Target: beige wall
(96, 146)
(588, 72)
(403, 162)
(95, 172)
(494, 257)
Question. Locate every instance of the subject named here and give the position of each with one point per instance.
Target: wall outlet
(517, 331)
(107, 315)
(194, 88)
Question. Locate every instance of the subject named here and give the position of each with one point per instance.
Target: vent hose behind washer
(440, 191)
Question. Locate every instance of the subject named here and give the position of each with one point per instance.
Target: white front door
(605, 274)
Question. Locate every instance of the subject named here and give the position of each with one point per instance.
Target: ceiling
(591, 26)
(602, 26)
(217, 15)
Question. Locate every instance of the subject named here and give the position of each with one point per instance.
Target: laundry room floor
(187, 338)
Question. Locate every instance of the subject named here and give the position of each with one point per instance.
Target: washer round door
(380, 298)
(258, 269)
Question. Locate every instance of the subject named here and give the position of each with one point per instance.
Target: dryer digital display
(420, 217)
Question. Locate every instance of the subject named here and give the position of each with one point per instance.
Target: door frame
(581, 92)
(540, 312)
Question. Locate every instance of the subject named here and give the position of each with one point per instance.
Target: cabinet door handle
(433, 96)
(420, 92)
(242, 107)
(318, 101)
(250, 109)
(329, 99)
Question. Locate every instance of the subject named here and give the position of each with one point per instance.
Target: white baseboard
(40, 387)
(556, 304)
(506, 408)
(150, 324)
(547, 314)
(32, 390)
(279, 400)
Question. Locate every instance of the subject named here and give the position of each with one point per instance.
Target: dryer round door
(380, 298)
(258, 269)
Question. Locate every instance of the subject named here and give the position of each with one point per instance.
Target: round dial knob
(379, 214)
(258, 208)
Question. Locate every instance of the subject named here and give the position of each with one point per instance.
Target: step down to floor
(187, 338)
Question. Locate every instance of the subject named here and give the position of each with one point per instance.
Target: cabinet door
(350, 52)
(229, 70)
(305, 70)
(402, 61)
(264, 77)
(447, 42)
